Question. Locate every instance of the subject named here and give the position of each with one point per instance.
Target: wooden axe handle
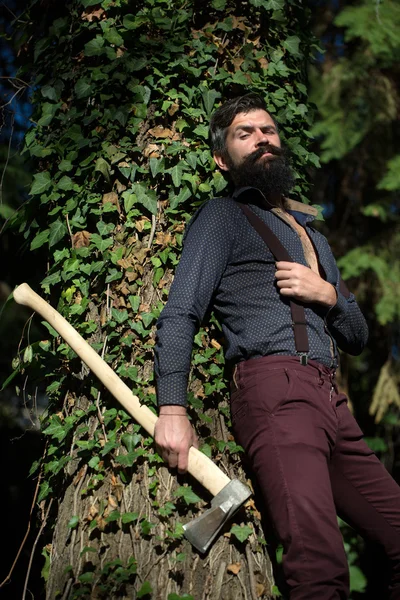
(201, 467)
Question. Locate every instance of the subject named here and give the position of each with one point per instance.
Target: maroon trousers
(309, 459)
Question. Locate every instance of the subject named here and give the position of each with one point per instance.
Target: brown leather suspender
(280, 253)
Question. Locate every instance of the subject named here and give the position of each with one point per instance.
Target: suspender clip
(303, 359)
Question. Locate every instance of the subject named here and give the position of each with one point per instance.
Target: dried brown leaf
(146, 308)
(113, 198)
(151, 151)
(215, 344)
(139, 224)
(120, 186)
(81, 239)
(237, 63)
(234, 568)
(263, 62)
(103, 315)
(94, 14)
(112, 503)
(173, 108)
(132, 276)
(161, 132)
(79, 475)
(260, 589)
(163, 239)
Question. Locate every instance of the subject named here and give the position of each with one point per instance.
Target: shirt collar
(302, 212)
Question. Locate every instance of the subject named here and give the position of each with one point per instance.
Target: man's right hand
(174, 435)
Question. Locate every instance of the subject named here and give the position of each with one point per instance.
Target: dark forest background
(354, 92)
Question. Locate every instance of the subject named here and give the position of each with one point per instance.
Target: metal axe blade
(202, 531)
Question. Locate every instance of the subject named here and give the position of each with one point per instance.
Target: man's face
(250, 133)
(255, 158)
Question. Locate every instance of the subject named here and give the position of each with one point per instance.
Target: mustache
(254, 156)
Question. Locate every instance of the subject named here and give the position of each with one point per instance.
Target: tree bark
(120, 143)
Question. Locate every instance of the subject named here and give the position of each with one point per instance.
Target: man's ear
(221, 162)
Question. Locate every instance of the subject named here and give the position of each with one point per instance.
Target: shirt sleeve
(346, 322)
(206, 251)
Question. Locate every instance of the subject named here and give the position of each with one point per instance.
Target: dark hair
(224, 115)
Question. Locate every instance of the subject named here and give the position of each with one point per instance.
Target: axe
(229, 494)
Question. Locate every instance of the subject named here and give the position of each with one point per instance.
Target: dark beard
(273, 176)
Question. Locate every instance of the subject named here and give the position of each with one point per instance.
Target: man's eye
(244, 136)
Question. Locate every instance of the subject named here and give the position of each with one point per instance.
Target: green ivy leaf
(269, 4)
(65, 165)
(146, 197)
(94, 462)
(129, 517)
(73, 522)
(191, 159)
(83, 88)
(145, 589)
(377, 444)
(49, 92)
(65, 183)
(187, 494)
(133, 22)
(156, 166)
(115, 515)
(86, 577)
(183, 195)
(358, 581)
(291, 44)
(206, 449)
(209, 97)
(176, 174)
(48, 112)
(108, 446)
(88, 549)
(130, 441)
(202, 131)
(120, 316)
(40, 239)
(134, 301)
(57, 231)
(44, 491)
(41, 183)
(127, 460)
(113, 37)
(28, 354)
(167, 509)
(103, 167)
(146, 526)
(101, 243)
(46, 567)
(218, 5)
(241, 532)
(95, 46)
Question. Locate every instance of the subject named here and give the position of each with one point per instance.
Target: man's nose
(262, 138)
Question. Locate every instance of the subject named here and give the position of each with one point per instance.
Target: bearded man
(301, 442)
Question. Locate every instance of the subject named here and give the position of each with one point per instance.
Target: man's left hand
(301, 283)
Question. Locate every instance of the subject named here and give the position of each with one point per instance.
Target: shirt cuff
(338, 310)
(172, 389)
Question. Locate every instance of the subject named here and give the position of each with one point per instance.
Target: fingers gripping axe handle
(199, 465)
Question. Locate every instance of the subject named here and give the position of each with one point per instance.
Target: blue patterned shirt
(225, 265)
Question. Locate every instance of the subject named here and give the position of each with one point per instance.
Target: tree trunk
(123, 101)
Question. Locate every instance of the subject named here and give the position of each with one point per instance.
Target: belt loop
(321, 375)
(235, 376)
